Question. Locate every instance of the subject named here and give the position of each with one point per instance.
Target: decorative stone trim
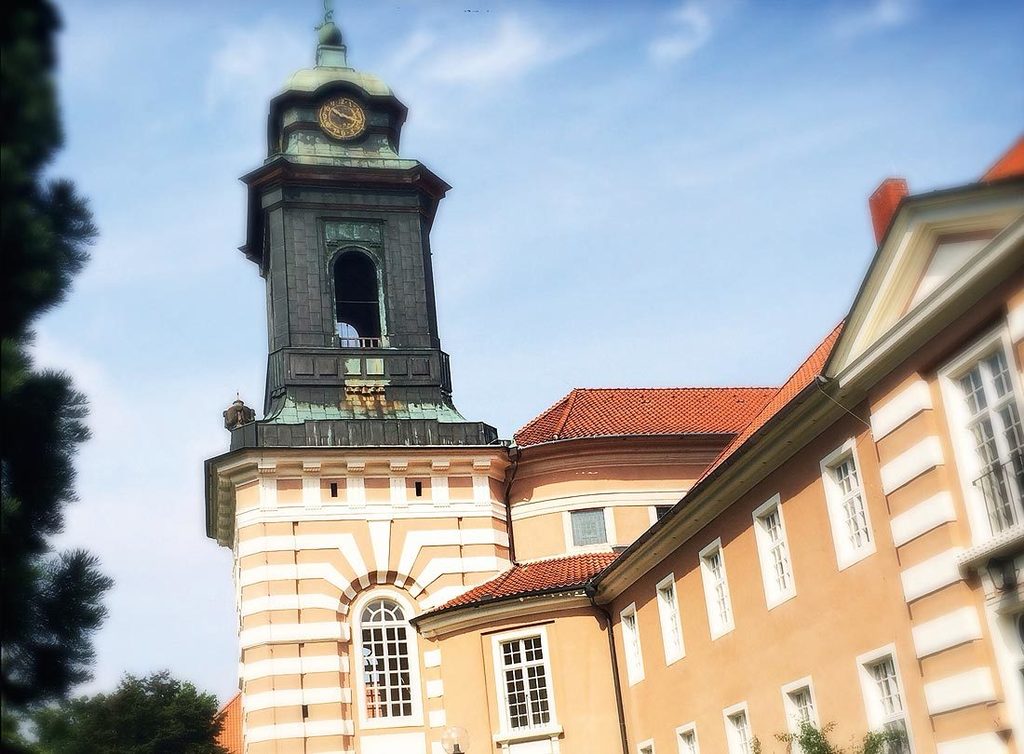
(983, 743)
(293, 666)
(947, 631)
(931, 575)
(922, 518)
(435, 689)
(308, 729)
(432, 658)
(437, 718)
(287, 633)
(910, 464)
(961, 690)
(295, 697)
(900, 409)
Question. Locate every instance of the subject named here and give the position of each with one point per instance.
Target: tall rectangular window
(773, 552)
(716, 589)
(883, 697)
(737, 730)
(687, 738)
(668, 611)
(588, 527)
(982, 388)
(631, 643)
(847, 507)
(798, 701)
(524, 673)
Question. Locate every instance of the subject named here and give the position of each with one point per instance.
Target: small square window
(588, 527)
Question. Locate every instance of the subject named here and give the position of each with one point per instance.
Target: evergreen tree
(152, 715)
(52, 602)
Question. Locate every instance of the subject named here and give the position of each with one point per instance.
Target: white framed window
(522, 665)
(984, 402)
(737, 729)
(671, 627)
(883, 694)
(798, 702)
(589, 528)
(773, 552)
(686, 737)
(631, 644)
(388, 683)
(646, 747)
(847, 506)
(716, 589)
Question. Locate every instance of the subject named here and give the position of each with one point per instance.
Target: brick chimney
(883, 204)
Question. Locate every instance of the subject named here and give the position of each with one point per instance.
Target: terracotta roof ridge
(677, 388)
(563, 556)
(569, 403)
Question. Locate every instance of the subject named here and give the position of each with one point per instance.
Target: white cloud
(691, 28)
(879, 15)
(514, 49)
(253, 62)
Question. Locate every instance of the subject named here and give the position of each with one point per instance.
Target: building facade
(674, 571)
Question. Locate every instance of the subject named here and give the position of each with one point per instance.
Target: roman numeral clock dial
(342, 118)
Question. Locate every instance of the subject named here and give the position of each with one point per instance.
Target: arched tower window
(387, 675)
(356, 300)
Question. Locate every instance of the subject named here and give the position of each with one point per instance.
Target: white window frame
(631, 646)
(609, 529)
(416, 718)
(792, 714)
(715, 624)
(964, 451)
(732, 740)
(846, 555)
(773, 594)
(683, 730)
(869, 689)
(672, 640)
(645, 747)
(507, 732)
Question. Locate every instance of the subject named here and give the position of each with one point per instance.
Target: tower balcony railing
(1002, 487)
(361, 342)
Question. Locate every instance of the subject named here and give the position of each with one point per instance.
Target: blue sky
(645, 194)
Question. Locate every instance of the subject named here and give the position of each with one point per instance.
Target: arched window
(356, 299)
(387, 675)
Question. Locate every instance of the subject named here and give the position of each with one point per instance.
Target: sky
(645, 194)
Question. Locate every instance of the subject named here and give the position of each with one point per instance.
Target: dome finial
(328, 33)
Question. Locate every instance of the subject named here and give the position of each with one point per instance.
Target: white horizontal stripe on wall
(947, 631)
(907, 404)
(295, 572)
(442, 595)
(438, 567)
(308, 729)
(294, 666)
(290, 602)
(984, 743)
(1015, 322)
(278, 633)
(437, 718)
(435, 689)
(958, 691)
(295, 697)
(417, 540)
(931, 575)
(432, 658)
(346, 543)
(922, 518)
(911, 463)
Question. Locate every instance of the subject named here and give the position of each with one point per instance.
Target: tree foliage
(153, 715)
(813, 740)
(52, 602)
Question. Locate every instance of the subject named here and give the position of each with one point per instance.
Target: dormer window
(357, 306)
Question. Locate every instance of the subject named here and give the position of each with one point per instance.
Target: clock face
(342, 118)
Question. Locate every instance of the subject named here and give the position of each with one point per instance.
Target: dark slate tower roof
(339, 227)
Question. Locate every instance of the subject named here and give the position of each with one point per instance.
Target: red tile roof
(230, 736)
(605, 412)
(535, 577)
(1009, 165)
(799, 380)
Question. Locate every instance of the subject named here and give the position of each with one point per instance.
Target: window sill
(782, 599)
(531, 734)
(845, 560)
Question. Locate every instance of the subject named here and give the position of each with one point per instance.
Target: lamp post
(455, 740)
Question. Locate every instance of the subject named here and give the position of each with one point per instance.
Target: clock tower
(362, 497)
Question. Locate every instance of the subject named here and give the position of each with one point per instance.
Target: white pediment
(934, 240)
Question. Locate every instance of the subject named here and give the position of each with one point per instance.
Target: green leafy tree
(52, 602)
(812, 740)
(157, 714)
